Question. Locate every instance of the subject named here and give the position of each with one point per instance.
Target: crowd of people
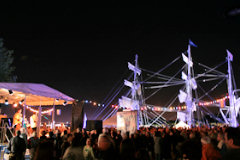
(199, 143)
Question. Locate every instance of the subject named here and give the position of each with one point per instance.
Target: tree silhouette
(6, 60)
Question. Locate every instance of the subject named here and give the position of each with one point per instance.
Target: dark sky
(83, 49)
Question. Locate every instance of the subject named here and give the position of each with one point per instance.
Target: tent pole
(39, 119)
(24, 111)
(53, 116)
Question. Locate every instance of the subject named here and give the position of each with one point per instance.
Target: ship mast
(189, 89)
(232, 118)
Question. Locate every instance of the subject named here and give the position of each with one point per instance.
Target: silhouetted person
(17, 147)
(106, 147)
(32, 145)
(221, 146)
(88, 151)
(232, 141)
(66, 143)
(127, 150)
(43, 137)
(74, 151)
(44, 151)
(208, 150)
(58, 144)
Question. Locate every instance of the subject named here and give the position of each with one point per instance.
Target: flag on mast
(192, 44)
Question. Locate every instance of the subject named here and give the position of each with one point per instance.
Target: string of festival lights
(36, 111)
(15, 105)
(93, 103)
(158, 108)
(154, 108)
(213, 102)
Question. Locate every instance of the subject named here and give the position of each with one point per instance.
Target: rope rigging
(149, 116)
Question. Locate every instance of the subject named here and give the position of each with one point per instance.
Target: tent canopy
(35, 94)
(181, 124)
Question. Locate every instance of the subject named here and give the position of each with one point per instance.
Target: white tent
(32, 94)
(181, 124)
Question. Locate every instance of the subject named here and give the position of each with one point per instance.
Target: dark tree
(6, 60)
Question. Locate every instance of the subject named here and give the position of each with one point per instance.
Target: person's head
(105, 130)
(78, 130)
(34, 129)
(119, 132)
(220, 136)
(23, 130)
(18, 133)
(88, 142)
(192, 135)
(34, 134)
(58, 134)
(76, 140)
(205, 140)
(51, 134)
(157, 134)
(105, 142)
(163, 134)
(69, 138)
(19, 111)
(232, 137)
(147, 134)
(43, 133)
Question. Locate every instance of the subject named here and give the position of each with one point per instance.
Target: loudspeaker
(77, 115)
(94, 125)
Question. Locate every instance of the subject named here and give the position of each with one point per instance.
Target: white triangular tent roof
(181, 124)
(35, 94)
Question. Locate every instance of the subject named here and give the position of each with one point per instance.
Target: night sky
(82, 49)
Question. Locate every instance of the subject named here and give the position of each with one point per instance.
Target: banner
(127, 121)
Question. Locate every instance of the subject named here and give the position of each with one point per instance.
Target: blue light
(86, 101)
(103, 105)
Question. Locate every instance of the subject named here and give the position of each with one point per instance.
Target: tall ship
(192, 101)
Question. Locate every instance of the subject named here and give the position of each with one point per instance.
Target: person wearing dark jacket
(17, 147)
(232, 141)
